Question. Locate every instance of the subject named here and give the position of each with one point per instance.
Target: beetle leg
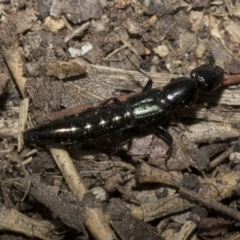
(168, 139)
(149, 83)
(167, 136)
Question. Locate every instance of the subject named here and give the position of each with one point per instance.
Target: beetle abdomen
(86, 127)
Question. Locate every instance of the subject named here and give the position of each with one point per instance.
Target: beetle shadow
(74, 78)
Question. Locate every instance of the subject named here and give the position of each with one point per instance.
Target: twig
(147, 173)
(23, 112)
(186, 230)
(95, 220)
(213, 188)
(12, 220)
(111, 74)
(76, 31)
(228, 97)
(10, 50)
(231, 79)
(220, 158)
(210, 203)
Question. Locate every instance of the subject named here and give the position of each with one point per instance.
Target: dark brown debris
(126, 225)
(76, 11)
(67, 208)
(60, 58)
(213, 227)
(203, 155)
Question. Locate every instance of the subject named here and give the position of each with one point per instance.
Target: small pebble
(80, 51)
(132, 27)
(161, 50)
(200, 50)
(53, 25)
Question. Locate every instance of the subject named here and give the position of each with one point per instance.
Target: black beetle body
(147, 109)
(209, 77)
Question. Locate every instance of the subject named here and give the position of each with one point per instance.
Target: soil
(60, 58)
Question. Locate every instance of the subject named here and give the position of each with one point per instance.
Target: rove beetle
(145, 110)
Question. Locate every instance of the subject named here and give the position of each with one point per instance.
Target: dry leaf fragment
(233, 29)
(214, 31)
(76, 11)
